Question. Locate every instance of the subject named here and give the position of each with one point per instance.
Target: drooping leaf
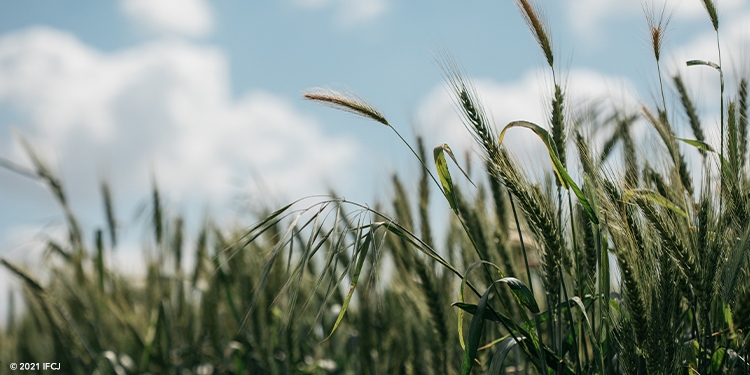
(518, 288)
(565, 179)
(522, 292)
(703, 62)
(697, 144)
(654, 197)
(489, 314)
(706, 147)
(445, 175)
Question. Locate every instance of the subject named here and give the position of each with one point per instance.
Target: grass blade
(522, 292)
(445, 175)
(496, 366)
(475, 332)
(654, 197)
(355, 277)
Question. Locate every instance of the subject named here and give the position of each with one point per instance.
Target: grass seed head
(531, 14)
(690, 111)
(346, 102)
(742, 119)
(710, 7)
(558, 124)
(657, 27)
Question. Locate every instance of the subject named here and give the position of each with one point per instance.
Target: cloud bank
(164, 106)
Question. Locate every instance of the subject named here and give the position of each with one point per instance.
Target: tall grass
(326, 285)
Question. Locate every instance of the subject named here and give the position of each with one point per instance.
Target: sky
(205, 97)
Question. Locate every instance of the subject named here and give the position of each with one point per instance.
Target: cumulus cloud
(184, 17)
(164, 106)
(349, 12)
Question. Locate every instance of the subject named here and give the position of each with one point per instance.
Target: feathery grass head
(534, 18)
(346, 102)
(657, 27)
(710, 7)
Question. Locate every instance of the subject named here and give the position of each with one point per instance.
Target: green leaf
(717, 360)
(475, 332)
(706, 147)
(500, 317)
(519, 289)
(445, 175)
(654, 197)
(522, 292)
(460, 320)
(531, 346)
(550, 358)
(353, 284)
(703, 62)
(488, 315)
(496, 366)
(697, 144)
(479, 312)
(565, 179)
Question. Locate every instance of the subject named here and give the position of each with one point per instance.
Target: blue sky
(207, 95)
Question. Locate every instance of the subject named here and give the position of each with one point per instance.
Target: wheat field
(620, 262)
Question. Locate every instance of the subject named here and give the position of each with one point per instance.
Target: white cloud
(349, 13)
(184, 17)
(353, 12)
(166, 106)
(588, 16)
